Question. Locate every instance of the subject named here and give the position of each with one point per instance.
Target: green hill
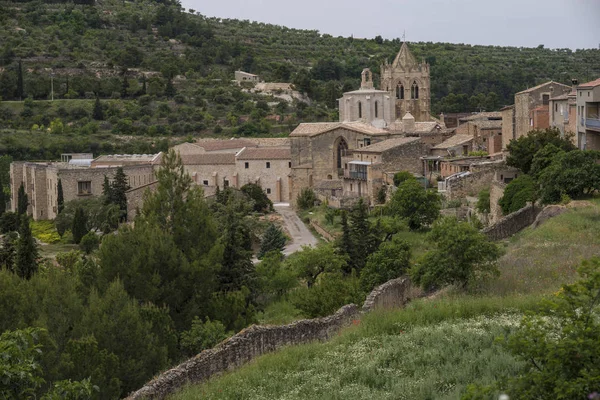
(433, 348)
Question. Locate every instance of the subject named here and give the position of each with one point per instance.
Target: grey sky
(528, 23)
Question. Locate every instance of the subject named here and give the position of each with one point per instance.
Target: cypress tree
(344, 243)
(106, 191)
(117, 192)
(2, 199)
(98, 113)
(20, 81)
(273, 240)
(60, 199)
(360, 233)
(79, 227)
(27, 252)
(22, 200)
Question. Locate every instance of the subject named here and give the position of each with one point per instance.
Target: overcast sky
(554, 23)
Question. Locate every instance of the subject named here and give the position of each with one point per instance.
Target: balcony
(358, 170)
(593, 123)
(361, 175)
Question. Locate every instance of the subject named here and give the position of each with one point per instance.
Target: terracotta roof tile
(455, 140)
(488, 124)
(482, 115)
(208, 159)
(387, 145)
(591, 84)
(217, 144)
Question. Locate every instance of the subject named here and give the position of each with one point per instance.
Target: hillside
(161, 71)
(433, 348)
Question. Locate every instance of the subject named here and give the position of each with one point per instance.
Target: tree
(106, 192)
(79, 227)
(543, 159)
(26, 258)
(273, 240)
(344, 242)
(483, 201)
(89, 242)
(60, 198)
(2, 199)
(20, 92)
(258, 195)
(306, 199)
(274, 277)
(20, 370)
(576, 173)
(310, 262)
(117, 192)
(170, 90)
(22, 200)
(363, 238)
(517, 194)
(98, 113)
(460, 255)
(522, 150)
(418, 206)
(237, 268)
(400, 177)
(390, 261)
(203, 335)
(559, 344)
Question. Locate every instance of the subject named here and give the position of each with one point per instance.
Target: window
(555, 107)
(545, 99)
(359, 109)
(246, 165)
(225, 183)
(367, 141)
(84, 188)
(205, 183)
(376, 110)
(350, 187)
(268, 164)
(414, 91)
(400, 92)
(268, 190)
(290, 164)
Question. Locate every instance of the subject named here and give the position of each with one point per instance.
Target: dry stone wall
(512, 223)
(257, 340)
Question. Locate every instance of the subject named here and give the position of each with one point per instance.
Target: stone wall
(322, 231)
(257, 340)
(135, 199)
(496, 193)
(469, 185)
(512, 223)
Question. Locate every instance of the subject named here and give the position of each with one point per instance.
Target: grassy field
(433, 348)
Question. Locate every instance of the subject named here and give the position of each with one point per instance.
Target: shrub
(517, 193)
(402, 176)
(331, 292)
(45, 232)
(203, 335)
(390, 261)
(258, 196)
(483, 201)
(306, 199)
(89, 242)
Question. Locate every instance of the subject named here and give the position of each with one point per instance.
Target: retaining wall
(322, 231)
(512, 223)
(257, 340)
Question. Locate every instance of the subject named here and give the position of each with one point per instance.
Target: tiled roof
(542, 85)
(561, 97)
(216, 145)
(488, 124)
(455, 140)
(591, 84)
(128, 158)
(317, 128)
(424, 127)
(482, 115)
(387, 144)
(330, 184)
(265, 153)
(208, 159)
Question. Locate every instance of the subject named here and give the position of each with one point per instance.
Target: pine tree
(361, 238)
(98, 113)
(60, 199)
(117, 192)
(273, 240)
(2, 199)
(22, 200)
(106, 191)
(27, 252)
(20, 92)
(237, 267)
(79, 227)
(344, 243)
(170, 90)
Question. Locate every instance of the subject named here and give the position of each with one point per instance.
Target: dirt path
(300, 234)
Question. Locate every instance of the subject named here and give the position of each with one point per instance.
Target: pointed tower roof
(405, 59)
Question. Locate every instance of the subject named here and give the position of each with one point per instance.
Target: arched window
(400, 92)
(359, 109)
(376, 109)
(341, 150)
(414, 91)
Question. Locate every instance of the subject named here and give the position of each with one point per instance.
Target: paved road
(301, 236)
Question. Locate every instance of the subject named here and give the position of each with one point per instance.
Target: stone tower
(408, 81)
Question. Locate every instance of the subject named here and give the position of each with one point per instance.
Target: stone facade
(496, 193)
(257, 340)
(563, 114)
(588, 115)
(40, 180)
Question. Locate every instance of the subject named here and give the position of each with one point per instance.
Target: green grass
(541, 260)
(45, 231)
(432, 349)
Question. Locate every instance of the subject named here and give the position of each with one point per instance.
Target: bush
(402, 176)
(258, 196)
(306, 199)
(517, 193)
(390, 261)
(483, 201)
(331, 292)
(89, 242)
(203, 335)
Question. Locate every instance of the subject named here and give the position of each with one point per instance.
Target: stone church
(380, 131)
